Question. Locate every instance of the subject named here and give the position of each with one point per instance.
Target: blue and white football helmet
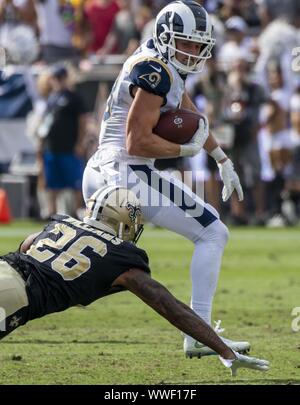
(185, 20)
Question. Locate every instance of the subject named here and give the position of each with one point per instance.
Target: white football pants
(167, 202)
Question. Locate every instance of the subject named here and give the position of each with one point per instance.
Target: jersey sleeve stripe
(152, 59)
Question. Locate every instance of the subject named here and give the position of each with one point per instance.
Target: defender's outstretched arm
(176, 312)
(184, 318)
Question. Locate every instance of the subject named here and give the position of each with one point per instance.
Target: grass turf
(119, 340)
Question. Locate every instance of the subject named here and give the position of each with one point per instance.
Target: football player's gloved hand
(246, 362)
(230, 179)
(193, 147)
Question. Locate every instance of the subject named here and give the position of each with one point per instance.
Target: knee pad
(216, 232)
(91, 182)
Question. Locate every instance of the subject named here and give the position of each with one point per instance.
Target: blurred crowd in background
(249, 89)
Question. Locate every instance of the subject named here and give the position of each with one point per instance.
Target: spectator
(17, 31)
(229, 8)
(270, 10)
(56, 34)
(291, 196)
(275, 43)
(17, 11)
(242, 102)
(62, 132)
(142, 16)
(295, 117)
(9, 12)
(122, 31)
(277, 89)
(276, 151)
(239, 45)
(34, 120)
(100, 15)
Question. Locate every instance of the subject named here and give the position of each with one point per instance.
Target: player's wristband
(218, 154)
(227, 363)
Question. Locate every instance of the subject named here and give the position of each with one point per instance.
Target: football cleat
(193, 348)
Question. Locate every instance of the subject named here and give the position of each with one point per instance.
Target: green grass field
(119, 340)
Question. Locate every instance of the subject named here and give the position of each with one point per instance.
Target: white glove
(230, 179)
(246, 362)
(193, 147)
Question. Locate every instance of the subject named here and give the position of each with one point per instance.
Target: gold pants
(13, 295)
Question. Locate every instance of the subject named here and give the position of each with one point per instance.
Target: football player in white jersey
(153, 81)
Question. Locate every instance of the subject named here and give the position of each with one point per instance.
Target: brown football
(177, 126)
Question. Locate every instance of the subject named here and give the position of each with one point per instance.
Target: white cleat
(192, 348)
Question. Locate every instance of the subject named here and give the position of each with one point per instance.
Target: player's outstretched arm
(176, 312)
(184, 318)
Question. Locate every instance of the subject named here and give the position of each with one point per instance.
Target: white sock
(205, 268)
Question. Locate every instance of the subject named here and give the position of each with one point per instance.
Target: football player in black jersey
(74, 263)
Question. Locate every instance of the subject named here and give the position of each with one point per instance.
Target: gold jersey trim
(149, 58)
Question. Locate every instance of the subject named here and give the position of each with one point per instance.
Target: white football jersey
(145, 69)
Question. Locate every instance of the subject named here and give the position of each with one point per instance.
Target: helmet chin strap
(138, 232)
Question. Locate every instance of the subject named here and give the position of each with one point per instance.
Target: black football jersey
(71, 263)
